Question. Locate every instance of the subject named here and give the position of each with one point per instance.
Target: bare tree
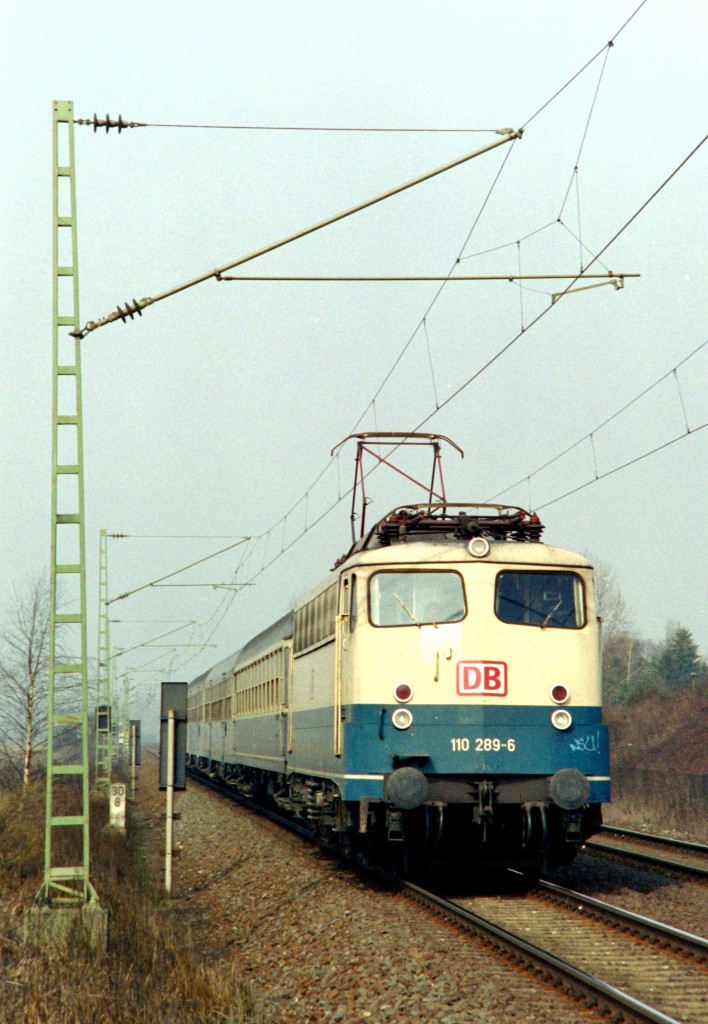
(622, 650)
(610, 603)
(24, 653)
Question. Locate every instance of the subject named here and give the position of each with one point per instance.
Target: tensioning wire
(316, 128)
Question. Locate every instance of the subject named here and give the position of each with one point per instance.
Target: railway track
(662, 851)
(623, 963)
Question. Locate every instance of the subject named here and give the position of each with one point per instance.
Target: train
(433, 703)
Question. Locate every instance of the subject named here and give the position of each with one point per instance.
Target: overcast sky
(212, 416)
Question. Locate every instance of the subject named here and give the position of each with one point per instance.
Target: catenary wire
(317, 128)
(228, 599)
(460, 257)
(509, 344)
(585, 66)
(604, 423)
(544, 312)
(598, 476)
(310, 526)
(624, 465)
(437, 294)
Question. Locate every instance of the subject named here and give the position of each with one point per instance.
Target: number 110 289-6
(482, 744)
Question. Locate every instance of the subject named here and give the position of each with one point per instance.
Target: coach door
(286, 738)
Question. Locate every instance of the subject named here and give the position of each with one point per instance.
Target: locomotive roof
(429, 535)
(439, 531)
(447, 549)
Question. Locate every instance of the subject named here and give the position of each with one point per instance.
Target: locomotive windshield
(546, 599)
(416, 598)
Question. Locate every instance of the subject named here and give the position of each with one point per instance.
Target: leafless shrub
(659, 760)
(153, 969)
(662, 799)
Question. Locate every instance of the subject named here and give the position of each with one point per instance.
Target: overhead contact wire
(624, 465)
(507, 245)
(489, 363)
(439, 290)
(585, 132)
(544, 312)
(604, 423)
(506, 347)
(585, 66)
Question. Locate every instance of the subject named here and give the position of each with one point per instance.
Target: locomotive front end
(472, 676)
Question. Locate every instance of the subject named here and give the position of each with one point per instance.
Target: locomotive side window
(545, 599)
(416, 598)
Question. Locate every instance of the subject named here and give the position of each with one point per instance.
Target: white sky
(214, 413)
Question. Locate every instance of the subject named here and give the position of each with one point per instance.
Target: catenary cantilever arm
(138, 305)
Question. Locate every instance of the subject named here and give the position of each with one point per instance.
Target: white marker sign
(117, 805)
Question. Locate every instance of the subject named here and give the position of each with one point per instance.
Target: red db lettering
(473, 677)
(481, 679)
(492, 677)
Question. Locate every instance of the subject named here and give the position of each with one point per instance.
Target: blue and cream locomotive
(437, 696)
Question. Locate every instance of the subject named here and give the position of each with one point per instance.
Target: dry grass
(660, 800)
(152, 971)
(665, 731)
(659, 763)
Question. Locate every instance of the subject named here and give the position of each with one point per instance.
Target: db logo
(481, 678)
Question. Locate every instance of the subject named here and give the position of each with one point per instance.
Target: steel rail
(602, 990)
(644, 925)
(683, 844)
(647, 858)
(606, 994)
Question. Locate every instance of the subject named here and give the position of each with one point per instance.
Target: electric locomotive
(434, 701)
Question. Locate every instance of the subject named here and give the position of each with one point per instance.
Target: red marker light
(559, 693)
(403, 692)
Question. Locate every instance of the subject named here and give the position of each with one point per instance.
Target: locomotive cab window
(547, 599)
(416, 598)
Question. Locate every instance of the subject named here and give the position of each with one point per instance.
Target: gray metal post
(133, 759)
(169, 811)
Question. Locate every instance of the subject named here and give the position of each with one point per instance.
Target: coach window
(309, 624)
(546, 599)
(316, 620)
(331, 610)
(416, 598)
(318, 616)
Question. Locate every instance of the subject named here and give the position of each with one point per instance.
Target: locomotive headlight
(402, 718)
(403, 692)
(561, 718)
(559, 693)
(479, 547)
